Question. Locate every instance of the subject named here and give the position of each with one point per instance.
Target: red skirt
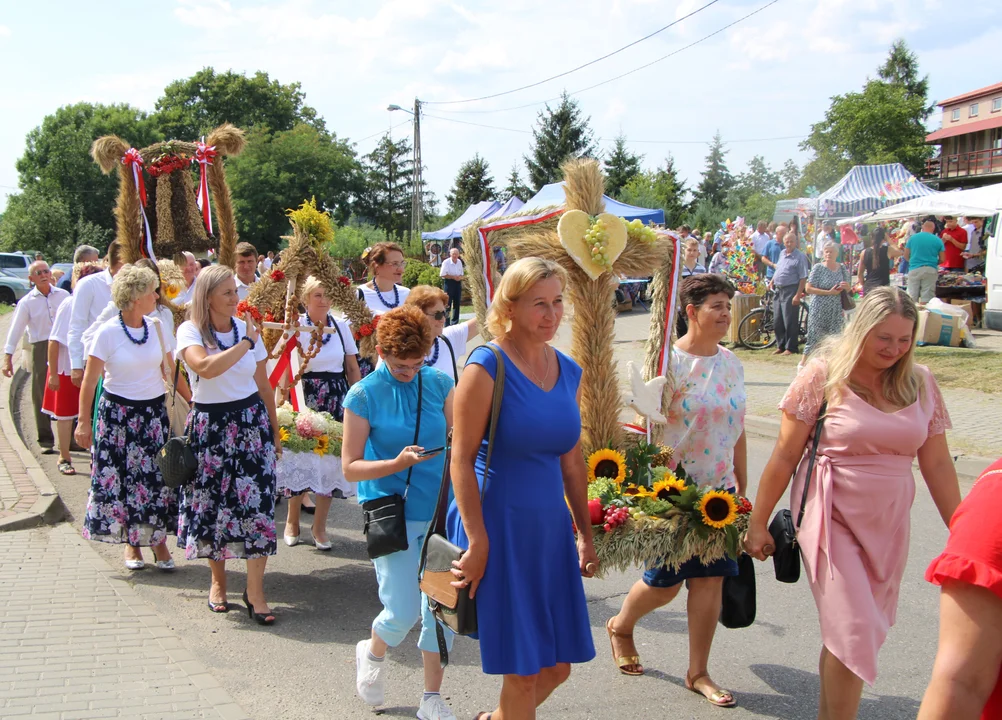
(64, 403)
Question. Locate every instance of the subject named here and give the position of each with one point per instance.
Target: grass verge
(5, 309)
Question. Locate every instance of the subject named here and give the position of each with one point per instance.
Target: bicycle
(757, 329)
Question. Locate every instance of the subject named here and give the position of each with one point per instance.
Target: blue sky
(769, 76)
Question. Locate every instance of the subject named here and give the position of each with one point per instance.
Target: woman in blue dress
(521, 562)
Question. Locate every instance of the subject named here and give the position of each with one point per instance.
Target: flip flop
(715, 698)
(623, 661)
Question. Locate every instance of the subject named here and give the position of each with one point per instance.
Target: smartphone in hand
(430, 451)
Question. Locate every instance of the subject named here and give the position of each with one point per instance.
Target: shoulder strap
(344, 349)
(495, 413)
(417, 430)
(452, 353)
(163, 363)
(810, 463)
(361, 295)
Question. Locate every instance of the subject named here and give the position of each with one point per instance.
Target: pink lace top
(804, 397)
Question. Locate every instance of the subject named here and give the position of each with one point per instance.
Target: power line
(384, 132)
(579, 67)
(629, 72)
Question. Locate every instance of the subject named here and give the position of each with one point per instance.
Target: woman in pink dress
(883, 412)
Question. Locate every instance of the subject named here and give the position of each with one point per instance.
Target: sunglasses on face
(440, 315)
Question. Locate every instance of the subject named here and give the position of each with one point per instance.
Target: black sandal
(267, 618)
(65, 467)
(219, 608)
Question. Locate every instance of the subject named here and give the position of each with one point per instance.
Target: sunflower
(635, 491)
(283, 434)
(322, 443)
(608, 464)
(718, 509)
(668, 489)
(172, 291)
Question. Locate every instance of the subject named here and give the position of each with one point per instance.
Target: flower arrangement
(308, 431)
(657, 516)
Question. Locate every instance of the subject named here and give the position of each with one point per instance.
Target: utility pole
(417, 201)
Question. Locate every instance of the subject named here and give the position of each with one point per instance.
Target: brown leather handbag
(453, 607)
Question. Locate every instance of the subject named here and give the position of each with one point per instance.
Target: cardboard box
(968, 307)
(937, 329)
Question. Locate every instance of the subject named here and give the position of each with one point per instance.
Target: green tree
(35, 220)
(901, 68)
(561, 133)
(194, 106)
(660, 188)
(758, 179)
(278, 170)
(515, 187)
(351, 239)
(385, 201)
(789, 177)
(620, 167)
(473, 184)
(717, 179)
(57, 162)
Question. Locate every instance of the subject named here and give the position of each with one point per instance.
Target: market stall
(437, 243)
(552, 195)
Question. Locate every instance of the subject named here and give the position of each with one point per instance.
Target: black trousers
(454, 289)
(786, 318)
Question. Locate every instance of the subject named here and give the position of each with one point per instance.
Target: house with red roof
(970, 140)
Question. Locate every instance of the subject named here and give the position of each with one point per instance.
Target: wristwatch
(252, 343)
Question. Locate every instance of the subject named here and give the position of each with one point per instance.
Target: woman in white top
(384, 292)
(328, 376)
(450, 342)
(229, 509)
(128, 501)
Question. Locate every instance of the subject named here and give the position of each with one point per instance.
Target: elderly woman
(328, 376)
(128, 501)
(390, 417)
(826, 283)
(384, 292)
(521, 563)
(450, 342)
(967, 677)
(229, 510)
(706, 429)
(855, 533)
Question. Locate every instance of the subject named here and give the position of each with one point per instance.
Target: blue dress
(531, 607)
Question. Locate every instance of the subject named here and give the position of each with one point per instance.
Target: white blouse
(236, 383)
(131, 371)
(376, 305)
(331, 355)
(60, 333)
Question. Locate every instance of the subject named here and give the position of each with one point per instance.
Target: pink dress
(856, 529)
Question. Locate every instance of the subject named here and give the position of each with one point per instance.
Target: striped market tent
(867, 188)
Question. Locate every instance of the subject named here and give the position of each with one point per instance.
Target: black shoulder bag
(452, 606)
(385, 525)
(176, 461)
(786, 556)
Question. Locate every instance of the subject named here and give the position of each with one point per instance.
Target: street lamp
(417, 206)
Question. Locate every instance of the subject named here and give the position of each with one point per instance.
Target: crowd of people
(105, 359)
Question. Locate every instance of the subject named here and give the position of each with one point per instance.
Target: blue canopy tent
(454, 230)
(553, 195)
(512, 205)
(867, 188)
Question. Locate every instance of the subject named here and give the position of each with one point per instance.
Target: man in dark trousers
(452, 279)
(789, 281)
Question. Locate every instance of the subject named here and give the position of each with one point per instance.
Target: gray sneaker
(368, 676)
(434, 708)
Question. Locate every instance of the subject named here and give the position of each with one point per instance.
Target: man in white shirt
(34, 313)
(91, 295)
(452, 278)
(189, 268)
(827, 234)
(761, 237)
(246, 264)
(975, 253)
(270, 260)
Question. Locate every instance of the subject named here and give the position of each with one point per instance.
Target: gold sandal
(624, 661)
(715, 698)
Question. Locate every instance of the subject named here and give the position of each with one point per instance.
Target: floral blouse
(706, 416)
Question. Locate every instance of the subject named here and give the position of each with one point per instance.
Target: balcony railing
(979, 162)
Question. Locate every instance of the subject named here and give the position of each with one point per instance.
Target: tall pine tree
(620, 167)
(473, 184)
(515, 187)
(901, 68)
(389, 184)
(717, 179)
(561, 133)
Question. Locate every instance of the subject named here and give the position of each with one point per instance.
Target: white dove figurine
(646, 398)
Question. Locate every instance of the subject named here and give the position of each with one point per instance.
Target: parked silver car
(12, 288)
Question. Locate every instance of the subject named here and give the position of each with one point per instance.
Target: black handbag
(385, 525)
(453, 607)
(737, 607)
(177, 462)
(786, 555)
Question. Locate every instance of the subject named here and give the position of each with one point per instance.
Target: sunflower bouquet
(659, 517)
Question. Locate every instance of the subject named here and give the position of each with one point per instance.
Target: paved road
(304, 666)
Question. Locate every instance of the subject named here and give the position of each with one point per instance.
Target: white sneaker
(368, 676)
(434, 708)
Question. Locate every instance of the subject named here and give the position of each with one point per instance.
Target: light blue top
(390, 406)
(925, 249)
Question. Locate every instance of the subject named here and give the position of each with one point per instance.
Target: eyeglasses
(403, 369)
(398, 264)
(42, 272)
(440, 315)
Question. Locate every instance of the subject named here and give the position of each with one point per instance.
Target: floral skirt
(229, 510)
(325, 392)
(365, 366)
(128, 501)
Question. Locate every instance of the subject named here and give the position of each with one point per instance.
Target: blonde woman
(521, 562)
(128, 501)
(229, 510)
(855, 533)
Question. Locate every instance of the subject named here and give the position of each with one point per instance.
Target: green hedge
(420, 273)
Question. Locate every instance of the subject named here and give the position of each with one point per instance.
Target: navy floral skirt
(128, 501)
(229, 510)
(325, 392)
(365, 366)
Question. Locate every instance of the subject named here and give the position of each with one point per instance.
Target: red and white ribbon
(485, 249)
(203, 156)
(287, 365)
(134, 159)
(664, 357)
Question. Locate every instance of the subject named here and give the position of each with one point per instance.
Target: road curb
(969, 467)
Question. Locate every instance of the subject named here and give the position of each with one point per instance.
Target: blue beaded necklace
(146, 330)
(236, 336)
(330, 323)
(396, 296)
(434, 357)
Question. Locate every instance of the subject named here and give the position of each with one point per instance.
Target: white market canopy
(977, 202)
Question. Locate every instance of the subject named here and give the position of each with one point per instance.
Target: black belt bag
(385, 525)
